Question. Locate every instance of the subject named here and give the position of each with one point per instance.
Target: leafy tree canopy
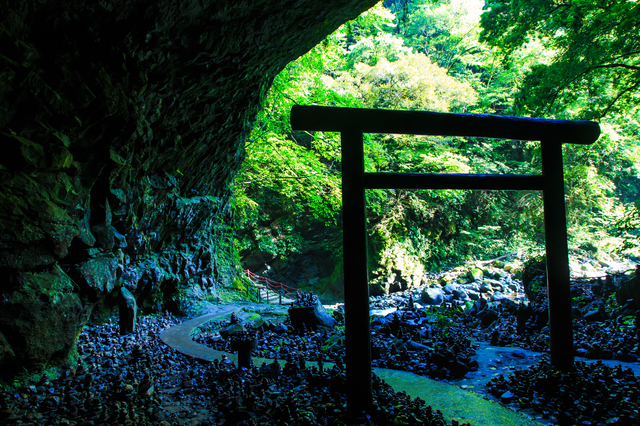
(595, 67)
(427, 55)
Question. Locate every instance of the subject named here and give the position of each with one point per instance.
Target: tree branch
(628, 89)
(629, 67)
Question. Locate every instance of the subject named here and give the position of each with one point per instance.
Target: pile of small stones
(427, 342)
(608, 339)
(590, 394)
(137, 379)
(598, 333)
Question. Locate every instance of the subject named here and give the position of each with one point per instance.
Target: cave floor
(456, 401)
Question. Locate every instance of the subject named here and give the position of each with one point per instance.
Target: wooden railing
(267, 284)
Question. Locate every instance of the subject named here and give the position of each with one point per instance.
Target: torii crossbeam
(352, 123)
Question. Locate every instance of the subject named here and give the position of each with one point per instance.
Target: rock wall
(122, 124)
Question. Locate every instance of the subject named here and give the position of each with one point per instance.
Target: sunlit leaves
(370, 50)
(596, 69)
(433, 60)
(412, 83)
(628, 228)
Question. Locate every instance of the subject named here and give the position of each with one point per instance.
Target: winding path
(453, 402)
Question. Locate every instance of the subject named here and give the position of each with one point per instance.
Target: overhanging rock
(122, 123)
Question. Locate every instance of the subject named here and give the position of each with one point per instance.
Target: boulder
(415, 346)
(445, 279)
(498, 296)
(476, 274)
(500, 273)
(97, 276)
(595, 315)
(255, 321)
(450, 288)
(472, 286)
(379, 288)
(460, 294)
(40, 321)
(487, 317)
(486, 287)
(227, 331)
(432, 296)
(534, 277)
(279, 328)
(311, 317)
(494, 283)
(513, 287)
(323, 318)
(473, 295)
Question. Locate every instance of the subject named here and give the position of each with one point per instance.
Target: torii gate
(352, 123)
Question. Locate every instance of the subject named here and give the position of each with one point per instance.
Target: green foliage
(425, 55)
(628, 228)
(443, 317)
(410, 82)
(335, 342)
(595, 68)
(372, 49)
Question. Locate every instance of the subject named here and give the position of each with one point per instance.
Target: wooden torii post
(352, 123)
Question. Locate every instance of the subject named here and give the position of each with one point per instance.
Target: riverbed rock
(486, 287)
(476, 274)
(432, 296)
(313, 317)
(473, 295)
(487, 317)
(450, 288)
(498, 296)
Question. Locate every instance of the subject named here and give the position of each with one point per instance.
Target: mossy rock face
(122, 125)
(41, 320)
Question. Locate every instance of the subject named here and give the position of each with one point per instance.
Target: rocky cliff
(122, 125)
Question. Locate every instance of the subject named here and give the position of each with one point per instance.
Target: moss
(453, 402)
(254, 317)
(267, 311)
(239, 284)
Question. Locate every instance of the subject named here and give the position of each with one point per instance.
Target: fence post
(279, 298)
